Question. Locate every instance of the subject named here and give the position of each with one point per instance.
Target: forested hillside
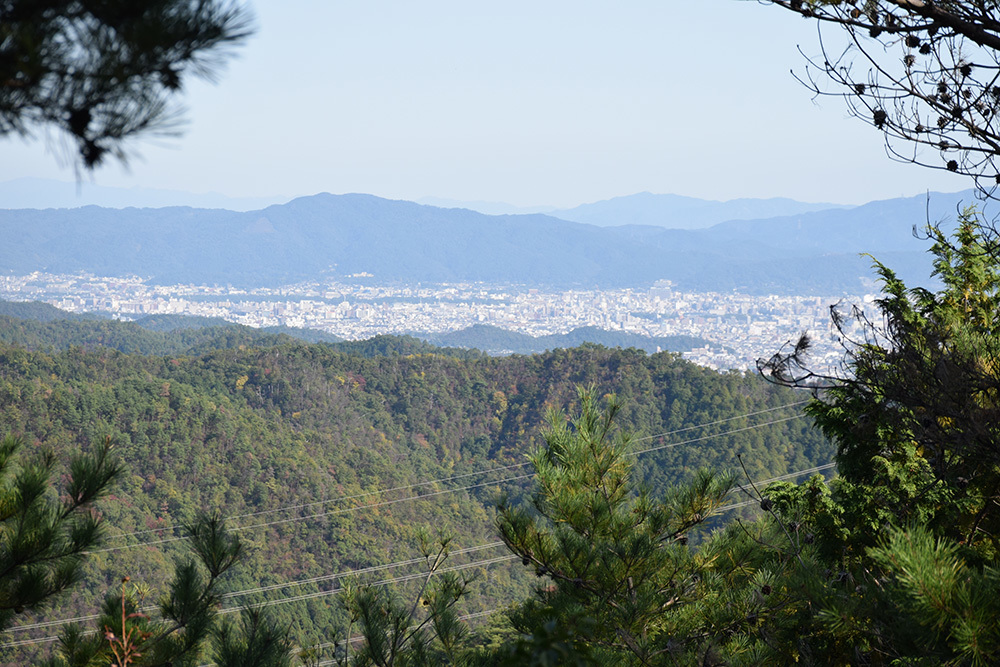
(39, 326)
(494, 340)
(297, 445)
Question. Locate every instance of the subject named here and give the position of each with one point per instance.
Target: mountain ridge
(326, 235)
(672, 211)
(498, 341)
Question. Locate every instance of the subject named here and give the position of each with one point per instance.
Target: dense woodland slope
(494, 340)
(37, 325)
(306, 439)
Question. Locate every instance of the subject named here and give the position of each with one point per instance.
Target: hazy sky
(548, 102)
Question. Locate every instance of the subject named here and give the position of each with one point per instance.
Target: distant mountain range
(47, 193)
(644, 208)
(670, 211)
(676, 212)
(340, 235)
(487, 207)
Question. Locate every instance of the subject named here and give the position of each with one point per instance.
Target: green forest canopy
(258, 429)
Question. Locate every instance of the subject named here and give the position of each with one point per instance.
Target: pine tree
(106, 72)
(909, 533)
(184, 623)
(45, 534)
(401, 633)
(623, 574)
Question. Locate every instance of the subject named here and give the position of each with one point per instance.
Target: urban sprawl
(740, 328)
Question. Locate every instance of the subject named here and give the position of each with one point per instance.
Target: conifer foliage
(395, 632)
(179, 628)
(620, 564)
(908, 536)
(916, 418)
(104, 72)
(43, 539)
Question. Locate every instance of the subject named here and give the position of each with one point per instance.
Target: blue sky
(531, 103)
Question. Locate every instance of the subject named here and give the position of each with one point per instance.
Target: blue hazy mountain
(677, 212)
(487, 207)
(878, 226)
(47, 193)
(339, 235)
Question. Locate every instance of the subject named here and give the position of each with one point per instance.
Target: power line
(383, 582)
(779, 478)
(309, 596)
(262, 589)
(723, 421)
(472, 486)
(339, 498)
(512, 466)
(298, 598)
(714, 435)
(343, 510)
(367, 570)
(443, 492)
(26, 642)
(377, 568)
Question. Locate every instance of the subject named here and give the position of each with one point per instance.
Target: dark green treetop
(43, 539)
